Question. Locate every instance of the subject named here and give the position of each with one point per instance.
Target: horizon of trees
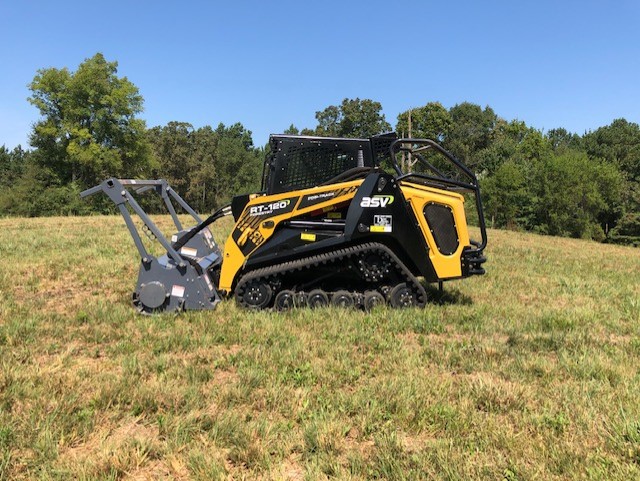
(554, 182)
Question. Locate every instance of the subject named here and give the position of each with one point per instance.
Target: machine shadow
(447, 296)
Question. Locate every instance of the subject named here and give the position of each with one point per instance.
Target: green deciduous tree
(431, 121)
(89, 129)
(172, 146)
(234, 167)
(352, 118)
(508, 197)
(207, 166)
(618, 142)
(512, 140)
(627, 229)
(577, 196)
(561, 140)
(470, 131)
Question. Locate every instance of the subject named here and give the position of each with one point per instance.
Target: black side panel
(379, 213)
(288, 243)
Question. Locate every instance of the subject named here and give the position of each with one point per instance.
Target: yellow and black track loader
(337, 222)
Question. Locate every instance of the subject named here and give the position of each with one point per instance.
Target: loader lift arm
(184, 278)
(119, 194)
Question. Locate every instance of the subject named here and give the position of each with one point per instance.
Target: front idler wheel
(257, 295)
(402, 296)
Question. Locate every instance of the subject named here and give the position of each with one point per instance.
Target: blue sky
(268, 64)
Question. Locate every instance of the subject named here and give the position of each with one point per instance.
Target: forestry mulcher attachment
(331, 225)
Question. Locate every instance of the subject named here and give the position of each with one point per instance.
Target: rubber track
(329, 257)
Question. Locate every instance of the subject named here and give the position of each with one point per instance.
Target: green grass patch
(530, 372)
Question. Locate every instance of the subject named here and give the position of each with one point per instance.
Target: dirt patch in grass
(355, 442)
(128, 449)
(224, 377)
(410, 341)
(291, 469)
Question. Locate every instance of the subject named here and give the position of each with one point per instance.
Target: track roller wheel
(342, 299)
(317, 298)
(257, 295)
(403, 296)
(285, 300)
(373, 299)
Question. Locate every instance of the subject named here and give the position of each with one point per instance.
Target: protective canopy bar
(397, 146)
(415, 147)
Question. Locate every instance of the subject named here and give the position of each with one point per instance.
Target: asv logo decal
(377, 201)
(265, 209)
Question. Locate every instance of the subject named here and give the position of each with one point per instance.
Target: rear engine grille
(443, 227)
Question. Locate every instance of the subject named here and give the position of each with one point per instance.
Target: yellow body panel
(256, 228)
(418, 196)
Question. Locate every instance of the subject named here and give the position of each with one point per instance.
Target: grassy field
(530, 372)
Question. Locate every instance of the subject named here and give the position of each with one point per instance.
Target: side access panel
(443, 223)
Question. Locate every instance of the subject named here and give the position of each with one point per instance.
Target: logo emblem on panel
(377, 201)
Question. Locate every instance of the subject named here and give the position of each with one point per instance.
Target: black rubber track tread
(330, 257)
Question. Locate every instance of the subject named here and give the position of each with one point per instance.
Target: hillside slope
(528, 372)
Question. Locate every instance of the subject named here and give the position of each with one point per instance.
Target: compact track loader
(337, 222)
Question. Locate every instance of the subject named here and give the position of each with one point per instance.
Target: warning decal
(382, 223)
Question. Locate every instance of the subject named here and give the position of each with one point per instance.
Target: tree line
(554, 182)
